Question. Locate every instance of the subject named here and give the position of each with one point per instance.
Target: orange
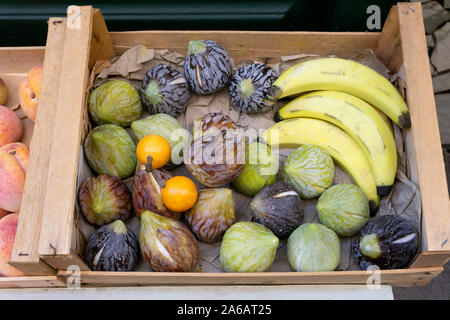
(155, 146)
(179, 194)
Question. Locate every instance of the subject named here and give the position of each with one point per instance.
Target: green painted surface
(24, 22)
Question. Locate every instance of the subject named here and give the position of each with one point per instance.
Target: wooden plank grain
(401, 277)
(426, 143)
(32, 282)
(101, 43)
(247, 45)
(63, 164)
(16, 60)
(389, 48)
(62, 262)
(25, 255)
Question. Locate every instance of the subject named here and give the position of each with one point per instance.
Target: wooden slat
(58, 224)
(61, 262)
(101, 43)
(425, 142)
(246, 45)
(404, 277)
(16, 60)
(389, 48)
(431, 258)
(32, 282)
(25, 255)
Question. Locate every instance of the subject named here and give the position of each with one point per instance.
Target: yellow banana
(360, 120)
(347, 76)
(344, 150)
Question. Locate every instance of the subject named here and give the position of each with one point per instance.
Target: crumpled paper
(403, 200)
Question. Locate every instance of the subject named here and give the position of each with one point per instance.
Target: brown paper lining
(404, 199)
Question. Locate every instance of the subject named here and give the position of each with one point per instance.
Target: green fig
(110, 150)
(313, 247)
(248, 247)
(167, 127)
(344, 209)
(260, 170)
(115, 101)
(310, 170)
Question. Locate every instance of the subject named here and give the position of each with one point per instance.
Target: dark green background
(24, 22)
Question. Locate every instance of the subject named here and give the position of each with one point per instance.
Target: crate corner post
(55, 243)
(86, 40)
(423, 139)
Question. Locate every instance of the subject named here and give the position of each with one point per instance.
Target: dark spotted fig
(207, 67)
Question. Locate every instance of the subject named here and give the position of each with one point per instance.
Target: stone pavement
(437, 26)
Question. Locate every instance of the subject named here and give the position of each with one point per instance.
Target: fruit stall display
(176, 208)
(128, 202)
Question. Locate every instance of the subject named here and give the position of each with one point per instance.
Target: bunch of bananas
(343, 112)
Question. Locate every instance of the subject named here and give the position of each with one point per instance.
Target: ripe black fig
(388, 241)
(249, 88)
(112, 247)
(207, 67)
(279, 208)
(164, 90)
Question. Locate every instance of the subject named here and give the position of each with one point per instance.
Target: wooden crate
(14, 65)
(401, 43)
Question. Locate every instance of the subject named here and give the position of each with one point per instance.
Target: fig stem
(149, 168)
(148, 165)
